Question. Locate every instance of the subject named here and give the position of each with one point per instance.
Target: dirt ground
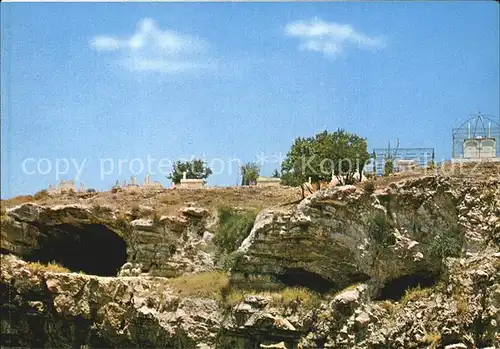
(168, 201)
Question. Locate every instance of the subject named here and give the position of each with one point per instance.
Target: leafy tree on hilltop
(293, 169)
(195, 169)
(326, 154)
(249, 173)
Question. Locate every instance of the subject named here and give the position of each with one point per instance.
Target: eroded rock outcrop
(73, 310)
(97, 240)
(343, 235)
(462, 310)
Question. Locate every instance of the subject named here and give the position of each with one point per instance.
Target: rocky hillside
(408, 263)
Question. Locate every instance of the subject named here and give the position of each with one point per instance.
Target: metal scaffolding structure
(474, 130)
(421, 156)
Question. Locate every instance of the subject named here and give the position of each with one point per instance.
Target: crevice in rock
(91, 248)
(304, 278)
(395, 289)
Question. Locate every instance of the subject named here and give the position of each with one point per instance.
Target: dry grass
(53, 267)
(387, 306)
(432, 339)
(415, 294)
(210, 285)
(369, 186)
(169, 201)
(215, 285)
(287, 297)
(462, 304)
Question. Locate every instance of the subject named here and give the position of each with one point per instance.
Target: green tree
(249, 173)
(276, 174)
(326, 154)
(195, 169)
(293, 169)
(388, 167)
(347, 154)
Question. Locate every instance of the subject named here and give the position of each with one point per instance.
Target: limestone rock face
(71, 310)
(461, 312)
(343, 235)
(167, 246)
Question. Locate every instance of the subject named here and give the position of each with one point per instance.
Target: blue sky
(231, 80)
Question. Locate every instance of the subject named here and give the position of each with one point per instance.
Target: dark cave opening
(396, 288)
(91, 248)
(304, 278)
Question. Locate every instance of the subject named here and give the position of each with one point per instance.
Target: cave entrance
(303, 278)
(91, 248)
(396, 288)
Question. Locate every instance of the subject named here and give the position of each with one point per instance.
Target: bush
(446, 245)
(416, 293)
(228, 260)
(234, 226)
(432, 339)
(387, 305)
(369, 186)
(42, 194)
(388, 167)
(380, 229)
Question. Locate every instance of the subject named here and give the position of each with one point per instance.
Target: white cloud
(330, 38)
(151, 49)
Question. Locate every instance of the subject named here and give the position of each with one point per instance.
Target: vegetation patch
(234, 226)
(432, 339)
(369, 186)
(387, 305)
(415, 294)
(380, 229)
(37, 267)
(388, 167)
(216, 285)
(418, 293)
(42, 194)
(210, 285)
(446, 245)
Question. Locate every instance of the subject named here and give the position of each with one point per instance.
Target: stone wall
(191, 184)
(268, 182)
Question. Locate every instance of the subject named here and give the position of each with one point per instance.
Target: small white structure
(480, 148)
(268, 182)
(64, 187)
(191, 183)
(149, 184)
(488, 148)
(476, 140)
(404, 165)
